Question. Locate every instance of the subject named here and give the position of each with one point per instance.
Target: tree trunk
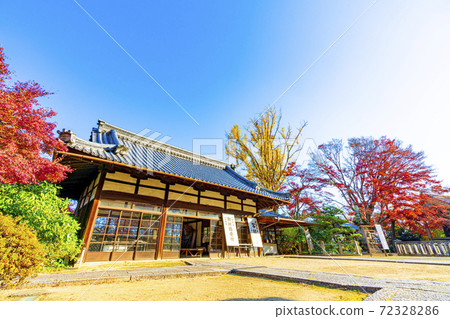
(393, 235)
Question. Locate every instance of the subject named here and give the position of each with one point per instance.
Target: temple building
(139, 199)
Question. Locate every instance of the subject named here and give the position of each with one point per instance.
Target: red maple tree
(25, 133)
(379, 180)
(303, 188)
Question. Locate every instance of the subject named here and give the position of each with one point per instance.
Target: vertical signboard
(254, 232)
(229, 226)
(381, 236)
(308, 240)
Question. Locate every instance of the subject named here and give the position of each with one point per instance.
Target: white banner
(383, 241)
(254, 232)
(308, 239)
(229, 226)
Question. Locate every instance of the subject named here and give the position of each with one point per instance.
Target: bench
(194, 252)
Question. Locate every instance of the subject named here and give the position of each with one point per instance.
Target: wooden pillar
(224, 245)
(93, 215)
(366, 238)
(162, 225)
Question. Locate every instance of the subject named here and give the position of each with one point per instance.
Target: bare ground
(227, 287)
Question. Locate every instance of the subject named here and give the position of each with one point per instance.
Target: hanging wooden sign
(381, 236)
(254, 232)
(229, 225)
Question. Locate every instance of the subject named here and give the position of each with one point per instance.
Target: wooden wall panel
(233, 206)
(121, 177)
(183, 198)
(250, 209)
(119, 187)
(211, 202)
(153, 182)
(151, 192)
(184, 189)
(212, 194)
(249, 202)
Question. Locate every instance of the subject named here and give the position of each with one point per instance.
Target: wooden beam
(93, 214)
(162, 225)
(136, 189)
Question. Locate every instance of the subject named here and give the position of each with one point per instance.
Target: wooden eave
(80, 161)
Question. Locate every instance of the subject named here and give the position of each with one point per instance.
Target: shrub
(289, 239)
(21, 254)
(40, 208)
(330, 229)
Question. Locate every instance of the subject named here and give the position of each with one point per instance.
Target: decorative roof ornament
(66, 136)
(121, 150)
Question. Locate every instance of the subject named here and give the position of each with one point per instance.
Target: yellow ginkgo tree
(265, 149)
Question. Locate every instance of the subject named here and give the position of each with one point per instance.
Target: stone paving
(382, 289)
(101, 276)
(439, 261)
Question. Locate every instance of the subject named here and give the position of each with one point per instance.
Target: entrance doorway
(195, 239)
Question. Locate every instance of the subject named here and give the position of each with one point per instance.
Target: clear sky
(224, 61)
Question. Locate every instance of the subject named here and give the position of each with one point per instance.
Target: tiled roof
(269, 213)
(118, 145)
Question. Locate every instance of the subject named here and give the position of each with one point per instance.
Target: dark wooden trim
(128, 209)
(119, 181)
(224, 246)
(114, 195)
(115, 237)
(162, 225)
(138, 236)
(276, 238)
(193, 206)
(93, 214)
(153, 187)
(136, 190)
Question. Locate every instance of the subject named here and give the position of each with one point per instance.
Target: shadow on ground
(258, 299)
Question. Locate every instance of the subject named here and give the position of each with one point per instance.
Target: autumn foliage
(21, 254)
(265, 149)
(307, 192)
(25, 133)
(379, 180)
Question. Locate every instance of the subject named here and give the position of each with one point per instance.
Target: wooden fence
(424, 248)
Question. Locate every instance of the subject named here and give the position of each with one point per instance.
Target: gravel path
(440, 261)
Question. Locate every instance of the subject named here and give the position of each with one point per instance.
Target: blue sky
(224, 61)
